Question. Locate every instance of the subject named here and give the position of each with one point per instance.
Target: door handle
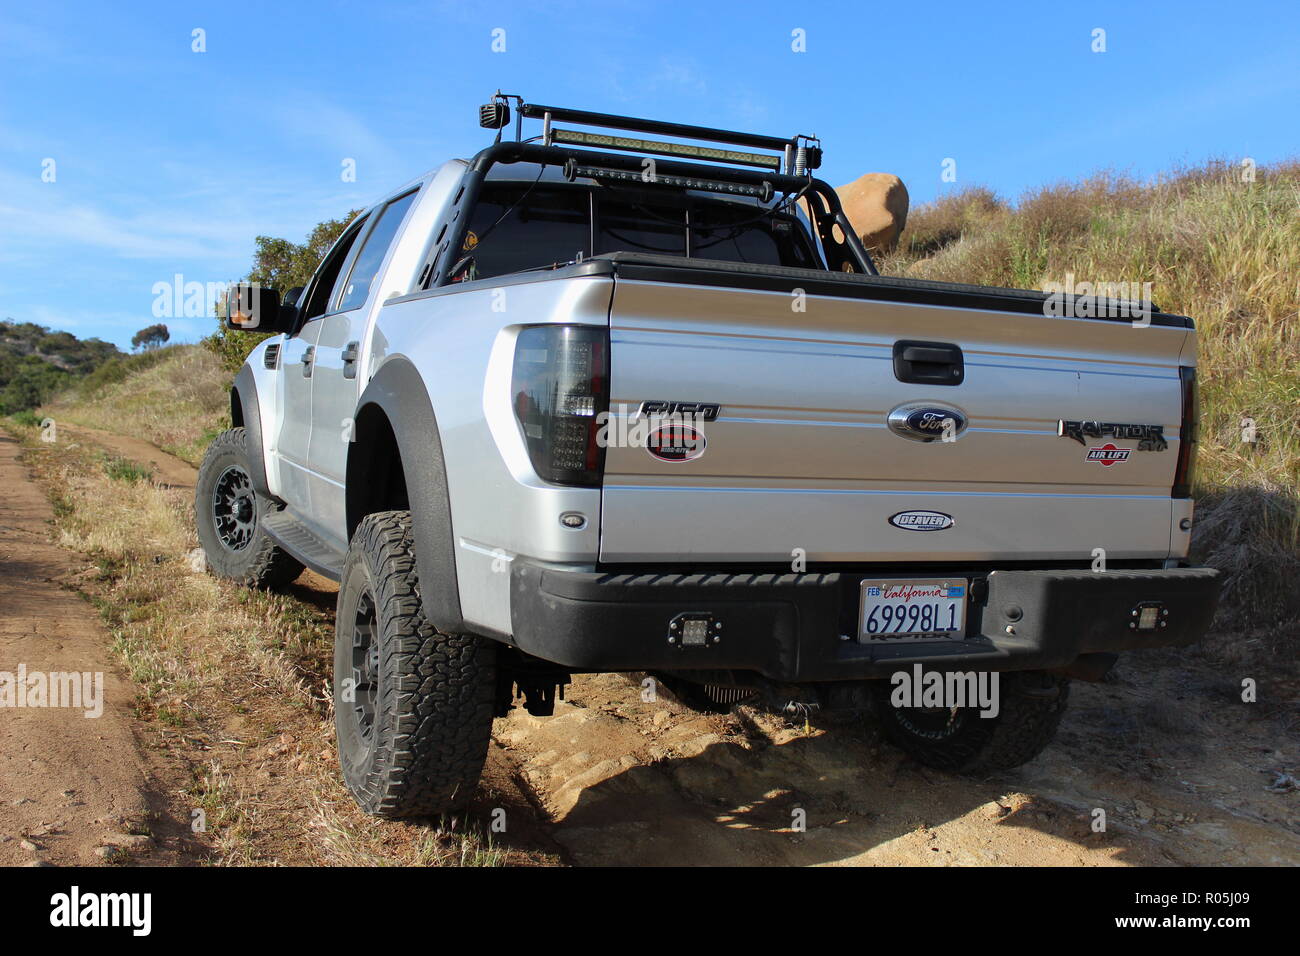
(350, 359)
(308, 354)
(928, 363)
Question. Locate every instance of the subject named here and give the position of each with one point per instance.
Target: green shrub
(232, 346)
(123, 469)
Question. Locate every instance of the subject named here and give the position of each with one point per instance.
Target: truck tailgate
(801, 456)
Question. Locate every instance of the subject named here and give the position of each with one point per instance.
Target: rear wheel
(958, 739)
(413, 706)
(228, 515)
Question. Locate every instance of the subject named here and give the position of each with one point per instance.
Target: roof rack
(798, 154)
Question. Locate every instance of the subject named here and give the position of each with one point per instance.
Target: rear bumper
(802, 627)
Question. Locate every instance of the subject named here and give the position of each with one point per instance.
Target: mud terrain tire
(414, 725)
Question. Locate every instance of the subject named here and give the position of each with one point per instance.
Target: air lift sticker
(675, 443)
(1108, 454)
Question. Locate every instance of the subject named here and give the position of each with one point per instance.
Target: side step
(290, 533)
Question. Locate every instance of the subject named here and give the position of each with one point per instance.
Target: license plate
(913, 609)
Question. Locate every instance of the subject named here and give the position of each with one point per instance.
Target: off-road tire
(1031, 704)
(259, 562)
(426, 697)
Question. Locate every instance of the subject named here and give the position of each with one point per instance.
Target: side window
(356, 289)
(322, 287)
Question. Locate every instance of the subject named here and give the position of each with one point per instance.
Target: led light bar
(656, 127)
(763, 192)
(662, 148)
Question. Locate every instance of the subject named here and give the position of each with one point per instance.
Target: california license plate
(913, 609)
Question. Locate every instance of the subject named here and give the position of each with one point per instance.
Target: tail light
(1187, 435)
(561, 390)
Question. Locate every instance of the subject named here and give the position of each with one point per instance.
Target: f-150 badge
(1148, 437)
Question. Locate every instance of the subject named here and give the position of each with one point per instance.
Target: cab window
(322, 286)
(354, 291)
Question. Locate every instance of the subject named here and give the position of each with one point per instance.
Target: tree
(150, 337)
(281, 265)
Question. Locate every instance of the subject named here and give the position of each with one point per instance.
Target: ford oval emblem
(922, 421)
(921, 520)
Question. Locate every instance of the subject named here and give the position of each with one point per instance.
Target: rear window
(516, 227)
(737, 234)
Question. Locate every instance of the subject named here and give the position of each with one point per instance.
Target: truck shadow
(781, 796)
(722, 807)
(1165, 755)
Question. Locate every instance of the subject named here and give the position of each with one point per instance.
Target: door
(297, 361)
(336, 380)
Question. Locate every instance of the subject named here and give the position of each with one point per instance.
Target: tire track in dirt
(73, 789)
(613, 779)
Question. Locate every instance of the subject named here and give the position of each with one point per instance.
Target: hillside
(176, 398)
(35, 362)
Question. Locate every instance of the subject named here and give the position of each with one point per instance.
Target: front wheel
(228, 515)
(959, 739)
(413, 706)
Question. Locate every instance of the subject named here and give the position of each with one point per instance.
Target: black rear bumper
(802, 627)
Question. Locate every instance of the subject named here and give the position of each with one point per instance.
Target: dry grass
(235, 681)
(1225, 252)
(179, 403)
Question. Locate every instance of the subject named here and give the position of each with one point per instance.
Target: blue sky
(169, 161)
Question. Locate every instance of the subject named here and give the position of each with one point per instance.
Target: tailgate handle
(928, 363)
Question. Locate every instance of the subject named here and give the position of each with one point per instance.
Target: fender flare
(397, 389)
(245, 391)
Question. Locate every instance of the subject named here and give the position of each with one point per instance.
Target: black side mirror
(291, 297)
(250, 307)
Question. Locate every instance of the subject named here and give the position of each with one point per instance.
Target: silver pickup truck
(593, 402)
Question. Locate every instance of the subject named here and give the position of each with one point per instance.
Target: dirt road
(1177, 764)
(74, 789)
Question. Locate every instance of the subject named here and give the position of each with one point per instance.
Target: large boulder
(876, 205)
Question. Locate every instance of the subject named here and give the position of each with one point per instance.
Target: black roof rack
(798, 154)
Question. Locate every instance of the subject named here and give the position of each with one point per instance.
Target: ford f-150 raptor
(595, 402)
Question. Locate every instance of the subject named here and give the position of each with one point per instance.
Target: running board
(290, 533)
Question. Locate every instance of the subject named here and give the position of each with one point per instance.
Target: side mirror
(251, 308)
(291, 297)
